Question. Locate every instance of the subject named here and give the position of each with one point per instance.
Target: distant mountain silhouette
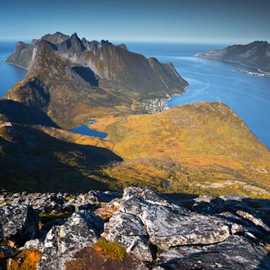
(253, 55)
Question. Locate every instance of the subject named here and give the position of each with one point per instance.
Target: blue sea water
(247, 95)
(9, 74)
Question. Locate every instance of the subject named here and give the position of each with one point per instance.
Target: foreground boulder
(18, 223)
(106, 256)
(170, 225)
(130, 232)
(63, 241)
(235, 253)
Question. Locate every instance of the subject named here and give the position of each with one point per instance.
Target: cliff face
(88, 79)
(22, 56)
(254, 55)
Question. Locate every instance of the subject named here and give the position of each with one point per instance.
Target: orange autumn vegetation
(111, 250)
(25, 260)
(104, 255)
(201, 148)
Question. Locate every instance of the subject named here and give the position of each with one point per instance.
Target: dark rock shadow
(17, 112)
(87, 74)
(37, 162)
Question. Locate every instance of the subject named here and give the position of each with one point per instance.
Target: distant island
(74, 80)
(253, 57)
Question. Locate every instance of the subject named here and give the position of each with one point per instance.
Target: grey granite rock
(256, 221)
(128, 230)
(63, 241)
(34, 244)
(235, 253)
(170, 225)
(18, 221)
(227, 233)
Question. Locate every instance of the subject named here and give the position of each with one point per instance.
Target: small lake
(85, 130)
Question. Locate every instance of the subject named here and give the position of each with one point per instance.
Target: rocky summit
(74, 80)
(133, 229)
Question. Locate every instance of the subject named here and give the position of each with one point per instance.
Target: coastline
(250, 70)
(16, 65)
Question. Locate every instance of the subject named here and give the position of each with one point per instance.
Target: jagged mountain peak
(103, 75)
(55, 38)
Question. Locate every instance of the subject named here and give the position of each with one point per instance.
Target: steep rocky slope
(32, 160)
(136, 230)
(255, 55)
(200, 148)
(35, 155)
(86, 79)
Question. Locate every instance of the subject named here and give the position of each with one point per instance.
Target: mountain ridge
(255, 56)
(107, 78)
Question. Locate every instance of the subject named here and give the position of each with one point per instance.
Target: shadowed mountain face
(254, 55)
(12, 111)
(32, 160)
(87, 79)
(36, 155)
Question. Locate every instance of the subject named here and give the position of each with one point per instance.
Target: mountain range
(254, 56)
(74, 80)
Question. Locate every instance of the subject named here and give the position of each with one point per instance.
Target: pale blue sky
(215, 21)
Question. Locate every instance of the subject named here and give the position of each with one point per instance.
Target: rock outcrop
(18, 223)
(63, 241)
(145, 231)
(88, 79)
(129, 230)
(169, 225)
(254, 56)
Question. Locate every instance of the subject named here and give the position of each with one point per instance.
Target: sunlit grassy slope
(199, 149)
(202, 148)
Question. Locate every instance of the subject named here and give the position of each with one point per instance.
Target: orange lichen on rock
(25, 260)
(104, 255)
(110, 250)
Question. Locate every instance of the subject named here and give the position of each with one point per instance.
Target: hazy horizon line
(142, 40)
